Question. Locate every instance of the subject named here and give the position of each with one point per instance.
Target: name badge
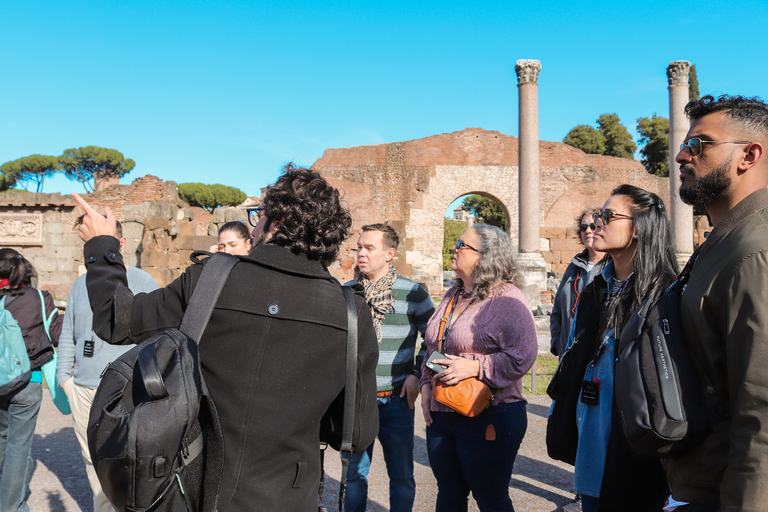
(88, 348)
(590, 392)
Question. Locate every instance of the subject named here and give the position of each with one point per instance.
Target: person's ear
(122, 243)
(753, 154)
(390, 254)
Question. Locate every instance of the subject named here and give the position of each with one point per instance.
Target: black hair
(309, 215)
(391, 239)
(16, 269)
(749, 114)
(240, 229)
(655, 262)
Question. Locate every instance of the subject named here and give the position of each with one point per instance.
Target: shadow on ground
(67, 466)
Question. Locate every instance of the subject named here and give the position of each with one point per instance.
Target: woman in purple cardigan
(491, 335)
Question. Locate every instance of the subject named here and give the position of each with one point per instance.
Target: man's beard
(705, 189)
(262, 238)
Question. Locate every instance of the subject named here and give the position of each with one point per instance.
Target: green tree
(94, 163)
(693, 84)
(29, 169)
(486, 209)
(210, 197)
(452, 230)
(586, 138)
(618, 141)
(654, 134)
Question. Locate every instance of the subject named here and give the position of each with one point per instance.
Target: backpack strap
(206, 294)
(46, 319)
(350, 392)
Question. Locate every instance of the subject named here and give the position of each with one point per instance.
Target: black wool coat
(273, 357)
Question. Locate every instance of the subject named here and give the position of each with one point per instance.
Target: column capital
(677, 72)
(527, 70)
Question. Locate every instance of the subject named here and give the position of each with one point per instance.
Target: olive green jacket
(724, 312)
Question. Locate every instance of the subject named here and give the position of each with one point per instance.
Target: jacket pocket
(301, 471)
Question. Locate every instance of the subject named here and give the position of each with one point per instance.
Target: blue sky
(228, 92)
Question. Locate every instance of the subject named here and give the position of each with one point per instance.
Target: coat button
(111, 255)
(92, 259)
(274, 309)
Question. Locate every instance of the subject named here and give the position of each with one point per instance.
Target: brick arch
(424, 225)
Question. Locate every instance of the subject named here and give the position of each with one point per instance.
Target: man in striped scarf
(400, 310)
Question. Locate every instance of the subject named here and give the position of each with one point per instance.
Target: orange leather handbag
(469, 397)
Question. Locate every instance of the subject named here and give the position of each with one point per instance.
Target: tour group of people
(278, 336)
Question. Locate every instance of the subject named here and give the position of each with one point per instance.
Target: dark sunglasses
(460, 244)
(254, 214)
(695, 145)
(584, 227)
(606, 217)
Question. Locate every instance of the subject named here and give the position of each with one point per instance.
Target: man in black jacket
(273, 354)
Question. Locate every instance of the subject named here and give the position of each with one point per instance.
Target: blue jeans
(18, 417)
(396, 438)
(463, 459)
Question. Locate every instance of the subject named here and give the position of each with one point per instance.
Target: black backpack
(153, 433)
(664, 399)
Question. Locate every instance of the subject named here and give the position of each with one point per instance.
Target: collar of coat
(755, 201)
(283, 260)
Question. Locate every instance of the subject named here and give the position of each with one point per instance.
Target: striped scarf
(379, 297)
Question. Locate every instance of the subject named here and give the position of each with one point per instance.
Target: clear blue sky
(228, 92)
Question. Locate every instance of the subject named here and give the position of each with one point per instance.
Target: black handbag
(565, 387)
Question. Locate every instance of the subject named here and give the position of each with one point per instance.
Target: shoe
(575, 506)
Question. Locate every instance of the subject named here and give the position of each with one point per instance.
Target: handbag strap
(206, 294)
(350, 392)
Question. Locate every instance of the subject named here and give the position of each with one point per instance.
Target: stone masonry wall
(411, 184)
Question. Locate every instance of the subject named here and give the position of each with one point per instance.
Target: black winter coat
(273, 356)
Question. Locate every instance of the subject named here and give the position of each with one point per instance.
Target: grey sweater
(78, 328)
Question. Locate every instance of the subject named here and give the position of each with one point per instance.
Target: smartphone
(437, 368)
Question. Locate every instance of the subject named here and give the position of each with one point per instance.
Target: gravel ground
(538, 483)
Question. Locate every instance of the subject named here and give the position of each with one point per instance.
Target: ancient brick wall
(412, 184)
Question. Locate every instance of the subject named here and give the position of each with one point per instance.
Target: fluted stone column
(530, 260)
(681, 214)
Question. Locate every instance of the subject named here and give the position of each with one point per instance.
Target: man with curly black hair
(273, 354)
(724, 311)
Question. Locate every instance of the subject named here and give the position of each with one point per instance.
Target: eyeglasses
(584, 227)
(695, 145)
(460, 244)
(254, 214)
(606, 216)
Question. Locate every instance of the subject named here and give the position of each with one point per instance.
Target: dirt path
(538, 484)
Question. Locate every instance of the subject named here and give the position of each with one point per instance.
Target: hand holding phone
(437, 368)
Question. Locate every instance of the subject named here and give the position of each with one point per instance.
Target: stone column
(530, 260)
(681, 215)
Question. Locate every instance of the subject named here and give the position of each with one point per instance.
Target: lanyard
(445, 322)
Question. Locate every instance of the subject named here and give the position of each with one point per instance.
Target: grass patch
(545, 367)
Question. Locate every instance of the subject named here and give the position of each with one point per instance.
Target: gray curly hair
(497, 261)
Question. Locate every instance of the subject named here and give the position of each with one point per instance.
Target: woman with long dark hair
(18, 411)
(234, 238)
(633, 229)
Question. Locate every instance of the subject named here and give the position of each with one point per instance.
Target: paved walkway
(538, 484)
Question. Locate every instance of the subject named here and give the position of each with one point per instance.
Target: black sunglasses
(606, 216)
(584, 227)
(254, 214)
(695, 145)
(461, 244)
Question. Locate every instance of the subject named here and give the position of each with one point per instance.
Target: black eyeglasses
(695, 145)
(584, 227)
(460, 244)
(606, 216)
(254, 214)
